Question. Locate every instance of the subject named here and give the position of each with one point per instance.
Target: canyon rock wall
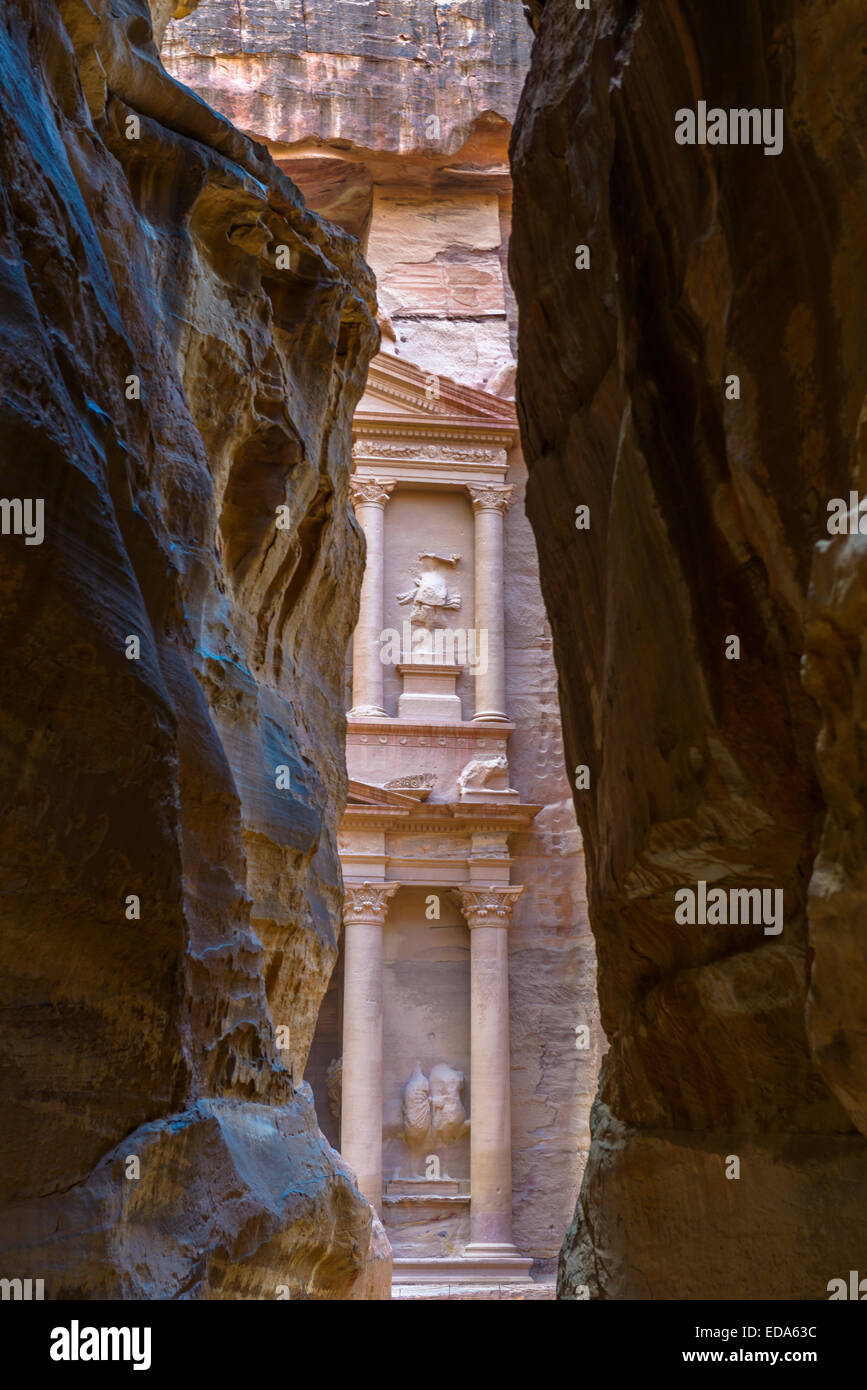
(387, 76)
(393, 117)
(708, 519)
(182, 345)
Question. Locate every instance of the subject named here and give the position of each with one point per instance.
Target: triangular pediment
(399, 392)
(365, 794)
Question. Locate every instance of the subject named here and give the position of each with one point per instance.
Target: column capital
(372, 492)
(490, 497)
(488, 907)
(367, 902)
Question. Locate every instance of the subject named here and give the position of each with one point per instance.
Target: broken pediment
(365, 794)
(419, 786)
(399, 389)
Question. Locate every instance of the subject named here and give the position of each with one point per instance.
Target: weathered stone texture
(707, 519)
(393, 117)
(153, 254)
(383, 75)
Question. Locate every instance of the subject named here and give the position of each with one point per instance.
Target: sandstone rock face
(707, 519)
(385, 75)
(162, 11)
(393, 117)
(170, 379)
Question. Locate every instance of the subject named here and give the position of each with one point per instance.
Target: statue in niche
(433, 1113)
(448, 1117)
(416, 1110)
(484, 772)
(430, 595)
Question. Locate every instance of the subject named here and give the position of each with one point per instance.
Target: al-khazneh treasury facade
(449, 1063)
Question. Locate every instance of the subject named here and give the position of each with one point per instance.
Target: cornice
(448, 427)
(397, 378)
(407, 729)
(407, 397)
(449, 818)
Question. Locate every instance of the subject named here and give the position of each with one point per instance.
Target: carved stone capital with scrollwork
(490, 497)
(367, 902)
(373, 492)
(488, 907)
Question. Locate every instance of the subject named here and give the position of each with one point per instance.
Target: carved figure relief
(484, 772)
(433, 1113)
(430, 595)
(448, 1116)
(416, 1110)
(418, 782)
(434, 452)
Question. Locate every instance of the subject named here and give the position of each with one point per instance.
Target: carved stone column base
(475, 1268)
(494, 1250)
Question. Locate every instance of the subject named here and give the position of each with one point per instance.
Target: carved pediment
(419, 786)
(400, 391)
(366, 794)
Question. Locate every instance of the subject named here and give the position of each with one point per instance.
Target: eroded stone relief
(484, 772)
(433, 1112)
(417, 782)
(430, 595)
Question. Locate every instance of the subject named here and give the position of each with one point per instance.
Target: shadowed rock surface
(149, 248)
(708, 518)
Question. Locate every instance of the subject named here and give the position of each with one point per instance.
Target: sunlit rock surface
(393, 117)
(170, 379)
(707, 519)
(409, 76)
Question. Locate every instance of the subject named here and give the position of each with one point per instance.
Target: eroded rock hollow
(707, 520)
(182, 345)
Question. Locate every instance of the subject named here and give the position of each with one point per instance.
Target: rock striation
(393, 117)
(182, 345)
(385, 76)
(708, 509)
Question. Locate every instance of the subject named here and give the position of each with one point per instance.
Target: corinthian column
(364, 912)
(490, 503)
(488, 913)
(369, 496)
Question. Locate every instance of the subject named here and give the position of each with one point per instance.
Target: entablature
(449, 818)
